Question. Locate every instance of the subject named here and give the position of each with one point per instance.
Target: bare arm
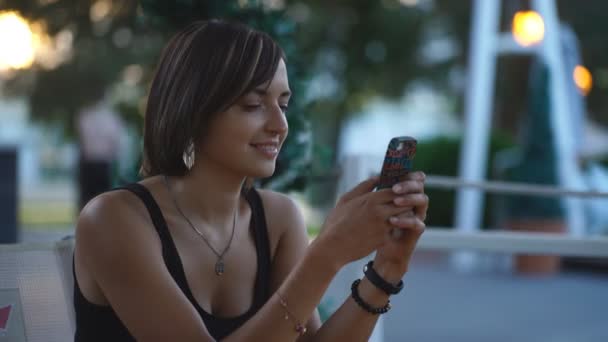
(349, 322)
(352, 323)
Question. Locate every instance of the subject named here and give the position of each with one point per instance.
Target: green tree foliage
(133, 33)
(341, 54)
(101, 49)
(440, 156)
(357, 50)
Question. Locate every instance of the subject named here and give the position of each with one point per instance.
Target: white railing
(510, 188)
(513, 242)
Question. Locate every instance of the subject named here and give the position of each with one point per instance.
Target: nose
(277, 122)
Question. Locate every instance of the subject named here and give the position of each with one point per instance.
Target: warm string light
(528, 28)
(582, 79)
(17, 41)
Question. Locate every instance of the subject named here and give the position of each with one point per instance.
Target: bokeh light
(582, 79)
(17, 41)
(528, 28)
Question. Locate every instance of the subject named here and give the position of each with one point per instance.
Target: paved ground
(440, 305)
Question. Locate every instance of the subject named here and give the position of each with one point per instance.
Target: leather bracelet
(355, 295)
(379, 282)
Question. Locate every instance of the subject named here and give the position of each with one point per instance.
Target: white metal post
(565, 146)
(478, 115)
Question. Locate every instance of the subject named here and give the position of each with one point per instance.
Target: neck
(209, 193)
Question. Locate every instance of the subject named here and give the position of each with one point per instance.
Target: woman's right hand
(359, 223)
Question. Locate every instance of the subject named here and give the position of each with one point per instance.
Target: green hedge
(440, 156)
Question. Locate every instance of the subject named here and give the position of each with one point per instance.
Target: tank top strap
(170, 254)
(262, 242)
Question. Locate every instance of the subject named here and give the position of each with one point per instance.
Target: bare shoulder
(119, 259)
(284, 220)
(111, 220)
(112, 202)
(281, 210)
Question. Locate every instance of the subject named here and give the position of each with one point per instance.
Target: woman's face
(248, 136)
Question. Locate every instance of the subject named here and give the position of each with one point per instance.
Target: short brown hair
(203, 70)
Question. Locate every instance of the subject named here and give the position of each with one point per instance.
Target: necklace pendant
(219, 267)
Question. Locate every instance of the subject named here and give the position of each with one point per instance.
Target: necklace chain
(219, 265)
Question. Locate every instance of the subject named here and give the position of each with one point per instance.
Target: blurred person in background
(194, 252)
(101, 132)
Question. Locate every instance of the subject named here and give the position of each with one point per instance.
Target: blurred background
(74, 76)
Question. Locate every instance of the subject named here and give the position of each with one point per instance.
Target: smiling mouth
(269, 150)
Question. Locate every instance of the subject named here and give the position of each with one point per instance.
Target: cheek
(229, 139)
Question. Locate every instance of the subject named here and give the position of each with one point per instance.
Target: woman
(193, 252)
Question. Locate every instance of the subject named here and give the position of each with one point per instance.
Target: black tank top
(100, 323)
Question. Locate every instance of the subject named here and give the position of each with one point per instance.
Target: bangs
(253, 64)
(267, 63)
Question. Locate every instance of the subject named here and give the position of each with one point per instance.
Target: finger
(408, 213)
(411, 200)
(418, 175)
(414, 176)
(396, 233)
(422, 208)
(408, 186)
(409, 223)
(381, 197)
(386, 211)
(362, 188)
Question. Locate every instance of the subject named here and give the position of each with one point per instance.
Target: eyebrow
(262, 92)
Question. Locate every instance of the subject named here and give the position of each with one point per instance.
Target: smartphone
(397, 162)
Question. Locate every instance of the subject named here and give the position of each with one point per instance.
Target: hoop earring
(188, 156)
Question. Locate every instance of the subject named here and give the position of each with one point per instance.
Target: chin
(261, 171)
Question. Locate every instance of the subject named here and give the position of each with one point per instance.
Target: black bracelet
(355, 294)
(379, 282)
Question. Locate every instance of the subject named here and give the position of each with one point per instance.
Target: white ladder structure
(487, 44)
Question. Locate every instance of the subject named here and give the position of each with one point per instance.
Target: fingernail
(397, 188)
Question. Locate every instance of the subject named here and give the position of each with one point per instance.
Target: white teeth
(267, 148)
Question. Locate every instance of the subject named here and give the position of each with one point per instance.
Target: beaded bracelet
(298, 327)
(355, 294)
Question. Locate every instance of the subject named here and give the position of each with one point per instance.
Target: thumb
(360, 189)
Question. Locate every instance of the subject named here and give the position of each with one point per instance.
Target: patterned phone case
(397, 162)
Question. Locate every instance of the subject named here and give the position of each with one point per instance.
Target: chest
(233, 292)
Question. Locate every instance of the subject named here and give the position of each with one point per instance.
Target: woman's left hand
(393, 257)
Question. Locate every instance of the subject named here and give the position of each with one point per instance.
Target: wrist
(371, 294)
(365, 305)
(389, 271)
